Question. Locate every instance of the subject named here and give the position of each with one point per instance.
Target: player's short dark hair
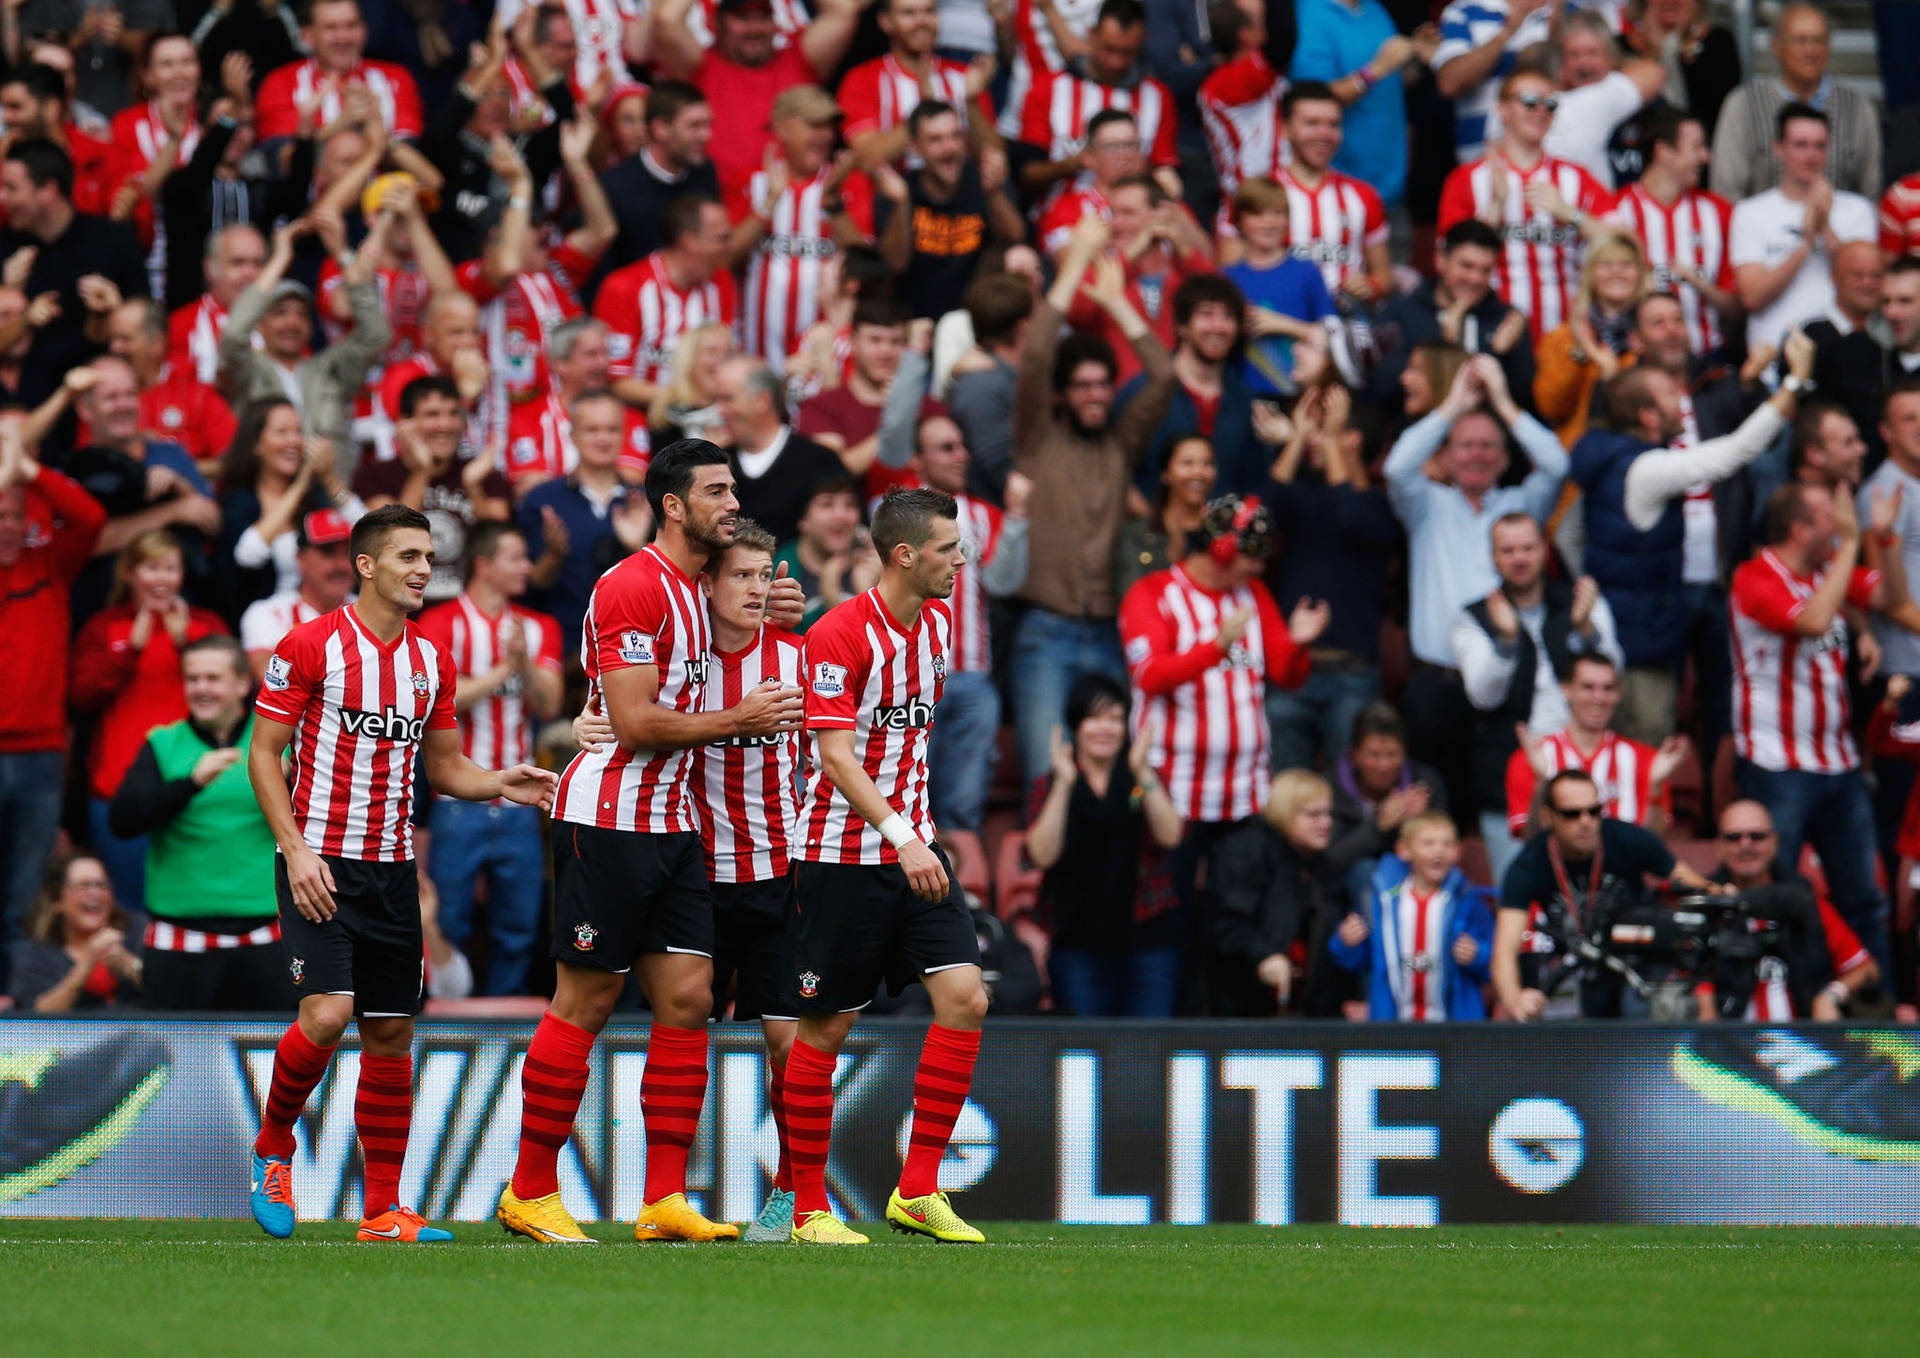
(748, 536)
(1075, 349)
(40, 80)
(1795, 111)
(1661, 124)
(927, 109)
(866, 268)
(906, 517)
(485, 539)
(670, 98)
(1307, 92)
(997, 303)
(1472, 231)
(672, 468)
(45, 164)
(222, 643)
(1126, 13)
(429, 384)
(1785, 507)
(1201, 289)
(1108, 117)
(1091, 693)
(1906, 386)
(889, 313)
(1563, 777)
(1377, 718)
(373, 528)
(681, 216)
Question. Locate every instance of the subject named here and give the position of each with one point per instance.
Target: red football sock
(297, 1067)
(809, 1101)
(383, 1114)
(672, 1089)
(777, 1105)
(939, 1090)
(552, 1081)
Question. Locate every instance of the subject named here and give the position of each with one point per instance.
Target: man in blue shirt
(1352, 45)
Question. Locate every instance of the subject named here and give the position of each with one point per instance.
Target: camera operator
(1572, 878)
(1822, 965)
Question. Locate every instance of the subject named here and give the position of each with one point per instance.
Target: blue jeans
(1318, 716)
(960, 753)
(125, 859)
(1141, 984)
(30, 786)
(1502, 847)
(1830, 811)
(1049, 653)
(470, 838)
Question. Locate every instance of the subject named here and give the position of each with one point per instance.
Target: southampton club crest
(583, 936)
(298, 967)
(940, 668)
(420, 683)
(809, 985)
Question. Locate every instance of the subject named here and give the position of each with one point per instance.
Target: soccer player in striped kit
(358, 693)
(874, 900)
(630, 877)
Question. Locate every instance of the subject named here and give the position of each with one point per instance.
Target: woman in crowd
(1575, 359)
(1157, 541)
(1100, 833)
(76, 954)
(685, 407)
(1277, 898)
(126, 672)
(623, 124)
(1375, 788)
(271, 477)
(1428, 377)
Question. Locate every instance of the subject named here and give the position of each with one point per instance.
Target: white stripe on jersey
(1073, 100)
(1693, 231)
(980, 525)
(1539, 262)
(1245, 141)
(783, 275)
(747, 789)
(1621, 770)
(1331, 226)
(1035, 54)
(497, 732)
(1790, 692)
(1410, 945)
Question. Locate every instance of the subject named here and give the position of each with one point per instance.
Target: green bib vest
(216, 857)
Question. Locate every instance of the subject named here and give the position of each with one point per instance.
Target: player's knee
(687, 1002)
(965, 1008)
(324, 1018)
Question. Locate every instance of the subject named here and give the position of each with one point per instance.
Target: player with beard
(360, 694)
(630, 879)
(875, 901)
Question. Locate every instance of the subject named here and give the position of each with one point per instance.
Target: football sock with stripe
(383, 1115)
(809, 1125)
(297, 1067)
(672, 1089)
(551, 1085)
(939, 1092)
(777, 1105)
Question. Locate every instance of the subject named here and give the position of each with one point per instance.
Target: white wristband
(895, 830)
(1837, 992)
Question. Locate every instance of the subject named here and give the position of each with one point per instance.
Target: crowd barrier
(1079, 1122)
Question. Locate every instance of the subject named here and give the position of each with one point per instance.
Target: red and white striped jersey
(1772, 999)
(1622, 769)
(1691, 231)
(646, 315)
(1539, 265)
(747, 789)
(790, 18)
(516, 320)
(1413, 946)
(1035, 54)
(138, 134)
(1060, 107)
(644, 611)
(971, 651)
(540, 441)
(783, 273)
(1789, 691)
(1333, 225)
(879, 95)
(359, 709)
(1205, 711)
(277, 107)
(496, 732)
(1240, 113)
(267, 620)
(599, 34)
(403, 296)
(193, 337)
(1056, 223)
(866, 674)
(1900, 217)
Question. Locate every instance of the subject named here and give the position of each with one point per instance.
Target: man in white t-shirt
(1784, 240)
(1597, 92)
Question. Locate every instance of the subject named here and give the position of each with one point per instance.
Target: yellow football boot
(544, 1219)
(824, 1228)
(673, 1218)
(932, 1216)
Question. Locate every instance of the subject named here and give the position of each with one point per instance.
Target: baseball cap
(806, 101)
(289, 287)
(323, 528)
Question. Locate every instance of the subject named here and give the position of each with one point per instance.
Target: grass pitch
(213, 1288)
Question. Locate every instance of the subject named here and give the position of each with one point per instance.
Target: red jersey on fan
(1771, 998)
(516, 319)
(138, 134)
(277, 107)
(790, 19)
(185, 411)
(1057, 221)
(497, 731)
(1693, 231)
(742, 101)
(867, 674)
(646, 315)
(644, 611)
(1035, 53)
(403, 296)
(599, 35)
(783, 273)
(1622, 769)
(1059, 108)
(980, 525)
(1206, 711)
(1240, 113)
(1333, 225)
(1538, 268)
(1900, 217)
(359, 708)
(880, 95)
(1790, 691)
(193, 337)
(746, 789)
(540, 441)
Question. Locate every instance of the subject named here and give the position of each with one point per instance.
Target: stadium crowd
(1412, 457)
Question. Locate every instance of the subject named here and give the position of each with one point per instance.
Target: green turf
(215, 1288)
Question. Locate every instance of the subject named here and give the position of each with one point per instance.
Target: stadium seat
(1019, 884)
(1006, 789)
(1474, 861)
(970, 863)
